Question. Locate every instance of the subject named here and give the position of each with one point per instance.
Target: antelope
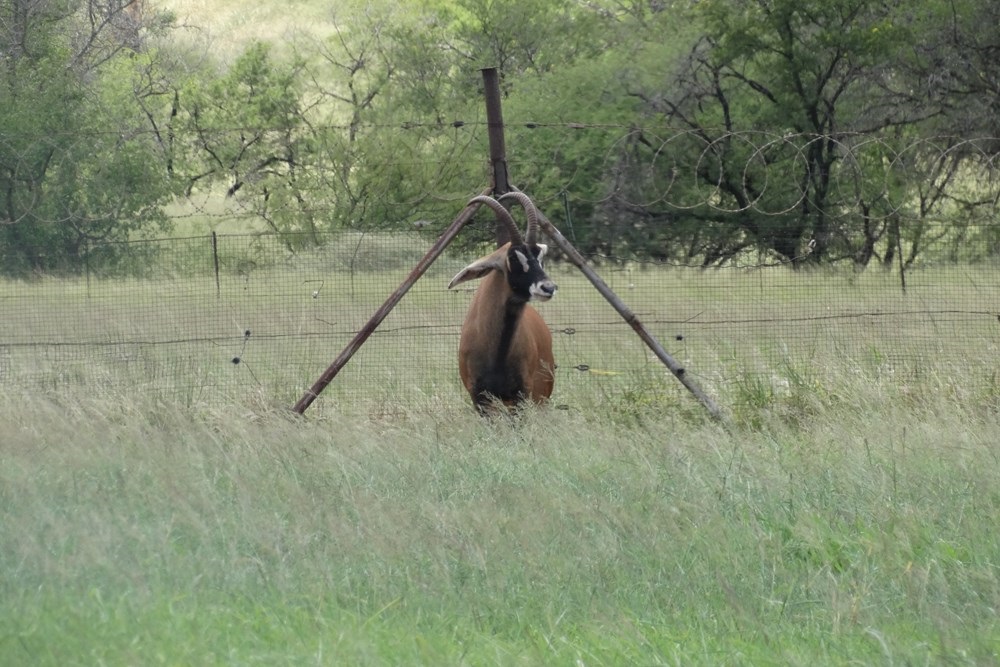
(505, 352)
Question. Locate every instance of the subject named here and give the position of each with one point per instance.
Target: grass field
(139, 532)
(845, 513)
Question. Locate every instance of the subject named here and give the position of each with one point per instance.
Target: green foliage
(519, 36)
(245, 131)
(687, 132)
(76, 164)
(788, 71)
(780, 121)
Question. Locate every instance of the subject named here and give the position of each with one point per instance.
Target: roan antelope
(505, 353)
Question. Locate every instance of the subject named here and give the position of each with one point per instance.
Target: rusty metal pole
(368, 329)
(501, 184)
(498, 145)
(678, 371)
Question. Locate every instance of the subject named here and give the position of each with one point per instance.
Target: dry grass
(227, 26)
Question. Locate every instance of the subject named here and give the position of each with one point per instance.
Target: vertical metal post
(215, 259)
(86, 263)
(498, 147)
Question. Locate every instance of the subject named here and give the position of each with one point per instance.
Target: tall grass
(141, 532)
(845, 513)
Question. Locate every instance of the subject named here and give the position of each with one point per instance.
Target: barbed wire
(273, 325)
(681, 171)
(91, 133)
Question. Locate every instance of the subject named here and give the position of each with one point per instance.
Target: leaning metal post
(439, 246)
(679, 372)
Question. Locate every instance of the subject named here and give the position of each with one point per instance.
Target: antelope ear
(478, 269)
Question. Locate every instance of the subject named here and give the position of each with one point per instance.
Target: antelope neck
(513, 309)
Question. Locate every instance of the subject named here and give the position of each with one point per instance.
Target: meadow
(161, 504)
(844, 513)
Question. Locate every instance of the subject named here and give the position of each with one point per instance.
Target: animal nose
(542, 290)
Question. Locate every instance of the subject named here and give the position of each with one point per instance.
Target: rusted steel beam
(368, 329)
(498, 144)
(678, 371)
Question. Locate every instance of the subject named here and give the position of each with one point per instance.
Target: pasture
(845, 513)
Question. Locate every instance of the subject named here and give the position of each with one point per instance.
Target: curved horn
(503, 215)
(529, 210)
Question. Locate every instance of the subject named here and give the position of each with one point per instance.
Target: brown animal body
(505, 352)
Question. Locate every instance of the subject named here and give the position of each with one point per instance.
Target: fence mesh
(245, 315)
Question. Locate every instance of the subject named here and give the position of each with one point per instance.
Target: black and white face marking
(525, 274)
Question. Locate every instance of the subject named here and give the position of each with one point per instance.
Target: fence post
(86, 263)
(498, 146)
(215, 259)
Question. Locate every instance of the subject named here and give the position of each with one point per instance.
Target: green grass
(845, 513)
(140, 532)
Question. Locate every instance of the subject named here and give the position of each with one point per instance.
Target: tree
(386, 116)
(75, 164)
(955, 62)
(244, 130)
(772, 97)
(516, 36)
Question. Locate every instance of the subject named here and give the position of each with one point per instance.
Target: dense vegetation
(807, 130)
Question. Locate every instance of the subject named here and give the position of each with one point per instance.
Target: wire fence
(249, 315)
(907, 289)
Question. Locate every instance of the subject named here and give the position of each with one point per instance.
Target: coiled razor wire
(766, 173)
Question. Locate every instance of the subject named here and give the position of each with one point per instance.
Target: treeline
(807, 131)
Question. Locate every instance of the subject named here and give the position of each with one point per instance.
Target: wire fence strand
(269, 320)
